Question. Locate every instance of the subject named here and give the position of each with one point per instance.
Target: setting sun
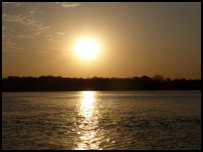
(86, 48)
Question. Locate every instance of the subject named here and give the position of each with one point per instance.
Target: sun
(87, 48)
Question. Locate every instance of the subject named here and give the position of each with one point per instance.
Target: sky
(134, 39)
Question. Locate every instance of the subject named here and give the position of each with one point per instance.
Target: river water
(139, 120)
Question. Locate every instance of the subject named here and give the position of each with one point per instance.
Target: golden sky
(134, 39)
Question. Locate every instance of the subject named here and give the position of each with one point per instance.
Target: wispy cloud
(35, 12)
(13, 3)
(25, 20)
(33, 25)
(32, 11)
(68, 4)
(60, 33)
(8, 2)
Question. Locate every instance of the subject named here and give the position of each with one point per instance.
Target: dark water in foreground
(102, 120)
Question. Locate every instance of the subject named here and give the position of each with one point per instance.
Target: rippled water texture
(102, 120)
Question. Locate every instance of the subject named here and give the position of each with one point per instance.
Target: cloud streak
(27, 21)
(15, 3)
(68, 4)
(8, 2)
(33, 25)
(60, 33)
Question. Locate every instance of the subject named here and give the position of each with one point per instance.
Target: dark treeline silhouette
(51, 83)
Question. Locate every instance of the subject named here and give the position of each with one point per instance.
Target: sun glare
(87, 48)
(88, 98)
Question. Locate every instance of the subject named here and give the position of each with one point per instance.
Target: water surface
(139, 120)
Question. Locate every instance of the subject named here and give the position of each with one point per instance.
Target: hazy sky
(134, 39)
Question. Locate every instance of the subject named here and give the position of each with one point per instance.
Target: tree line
(58, 83)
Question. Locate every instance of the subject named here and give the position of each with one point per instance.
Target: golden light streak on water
(88, 126)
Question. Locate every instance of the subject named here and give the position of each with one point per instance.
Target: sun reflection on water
(87, 99)
(89, 123)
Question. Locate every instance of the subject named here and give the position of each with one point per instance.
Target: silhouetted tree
(159, 78)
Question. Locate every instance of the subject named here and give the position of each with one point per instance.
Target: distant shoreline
(51, 83)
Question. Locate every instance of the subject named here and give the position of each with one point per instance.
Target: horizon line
(113, 77)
